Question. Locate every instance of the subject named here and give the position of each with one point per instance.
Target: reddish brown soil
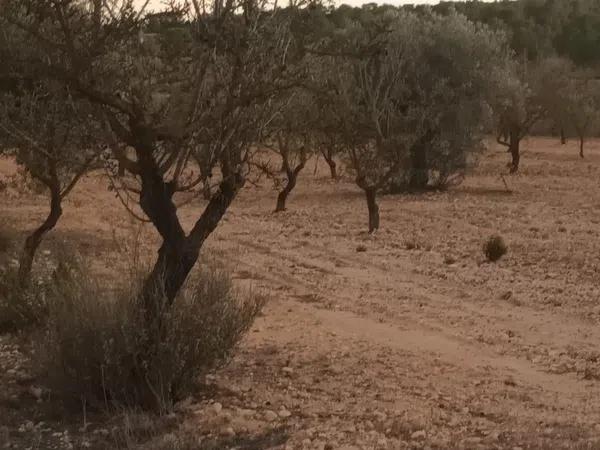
(415, 342)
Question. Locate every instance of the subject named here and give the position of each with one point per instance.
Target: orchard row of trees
(194, 98)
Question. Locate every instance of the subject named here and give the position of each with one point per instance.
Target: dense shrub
(494, 248)
(100, 347)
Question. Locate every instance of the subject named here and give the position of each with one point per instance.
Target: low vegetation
(98, 345)
(21, 307)
(494, 248)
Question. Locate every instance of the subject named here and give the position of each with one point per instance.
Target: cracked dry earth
(404, 339)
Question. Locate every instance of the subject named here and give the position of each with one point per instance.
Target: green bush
(98, 345)
(494, 248)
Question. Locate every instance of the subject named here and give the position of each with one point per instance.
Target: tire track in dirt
(434, 339)
(533, 325)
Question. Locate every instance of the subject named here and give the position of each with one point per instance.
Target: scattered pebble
(418, 435)
(270, 416)
(217, 408)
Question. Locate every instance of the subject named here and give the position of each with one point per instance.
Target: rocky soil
(404, 339)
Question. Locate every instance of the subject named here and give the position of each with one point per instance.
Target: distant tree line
(538, 28)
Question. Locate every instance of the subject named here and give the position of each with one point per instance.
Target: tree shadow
(482, 191)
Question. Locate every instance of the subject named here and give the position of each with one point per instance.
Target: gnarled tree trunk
(292, 178)
(328, 156)
(178, 253)
(34, 239)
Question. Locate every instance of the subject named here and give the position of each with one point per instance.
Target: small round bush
(494, 248)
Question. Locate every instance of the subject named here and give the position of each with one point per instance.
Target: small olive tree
(53, 138)
(581, 101)
(411, 94)
(293, 140)
(51, 133)
(524, 100)
(327, 135)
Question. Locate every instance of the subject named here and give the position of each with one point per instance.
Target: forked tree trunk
(292, 178)
(34, 239)
(373, 209)
(177, 256)
(179, 253)
(156, 200)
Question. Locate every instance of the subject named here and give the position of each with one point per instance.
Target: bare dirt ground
(413, 342)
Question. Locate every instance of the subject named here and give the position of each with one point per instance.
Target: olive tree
(412, 93)
(210, 101)
(54, 138)
(327, 127)
(293, 141)
(570, 97)
(51, 133)
(580, 106)
(524, 101)
(464, 65)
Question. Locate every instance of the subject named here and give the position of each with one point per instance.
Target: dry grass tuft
(21, 307)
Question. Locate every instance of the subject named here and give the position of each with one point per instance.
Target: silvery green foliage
(530, 92)
(581, 99)
(571, 97)
(463, 67)
(408, 81)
